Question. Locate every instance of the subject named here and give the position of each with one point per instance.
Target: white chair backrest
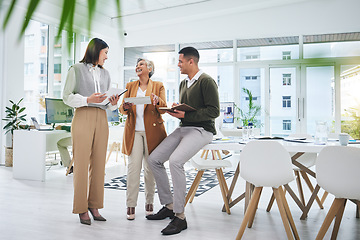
(266, 163)
(338, 171)
(218, 125)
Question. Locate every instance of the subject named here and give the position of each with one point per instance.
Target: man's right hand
(96, 98)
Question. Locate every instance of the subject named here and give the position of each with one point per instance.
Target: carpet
(208, 181)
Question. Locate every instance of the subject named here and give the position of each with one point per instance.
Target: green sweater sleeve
(67, 128)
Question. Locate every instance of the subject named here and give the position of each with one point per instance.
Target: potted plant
(14, 118)
(250, 115)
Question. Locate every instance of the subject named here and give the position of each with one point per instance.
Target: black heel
(97, 218)
(85, 221)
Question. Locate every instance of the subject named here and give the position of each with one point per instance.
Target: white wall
(233, 19)
(12, 72)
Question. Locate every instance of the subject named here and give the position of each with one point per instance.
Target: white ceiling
(132, 7)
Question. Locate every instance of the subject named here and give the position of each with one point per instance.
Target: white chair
(267, 164)
(202, 164)
(217, 163)
(308, 160)
(337, 171)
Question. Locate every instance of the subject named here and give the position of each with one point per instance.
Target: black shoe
(71, 170)
(97, 218)
(175, 226)
(161, 214)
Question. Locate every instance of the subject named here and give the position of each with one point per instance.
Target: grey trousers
(178, 148)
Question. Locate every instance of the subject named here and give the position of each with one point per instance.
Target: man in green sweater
(196, 130)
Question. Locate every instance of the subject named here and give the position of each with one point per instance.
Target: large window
(350, 100)
(293, 90)
(320, 100)
(281, 101)
(333, 49)
(43, 73)
(283, 52)
(35, 69)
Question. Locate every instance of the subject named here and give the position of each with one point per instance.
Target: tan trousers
(89, 131)
(137, 158)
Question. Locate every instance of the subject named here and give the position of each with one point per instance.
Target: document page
(111, 92)
(138, 100)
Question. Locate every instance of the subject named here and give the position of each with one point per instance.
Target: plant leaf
(91, 8)
(66, 18)
(66, 21)
(30, 11)
(11, 8)
(118, 7)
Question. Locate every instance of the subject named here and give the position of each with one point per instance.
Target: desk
(299, 148)
(234, 132)
(30, 149)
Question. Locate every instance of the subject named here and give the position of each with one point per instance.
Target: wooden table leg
(232, 186)
(311, 200)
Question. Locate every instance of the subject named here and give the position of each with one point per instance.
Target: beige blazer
(154, 124)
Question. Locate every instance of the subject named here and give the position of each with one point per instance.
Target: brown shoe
(130, 214)
(149, 209)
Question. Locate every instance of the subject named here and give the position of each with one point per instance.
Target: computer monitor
(57, 111)
(113, 116)
(227, 111)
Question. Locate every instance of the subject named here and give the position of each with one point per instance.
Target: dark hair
(190, 52)
(150, 65)
(93, 51)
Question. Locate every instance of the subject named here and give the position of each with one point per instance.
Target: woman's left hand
(155, 99)
(114, 99)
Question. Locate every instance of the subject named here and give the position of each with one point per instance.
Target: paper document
(138, 100)
(111, 92)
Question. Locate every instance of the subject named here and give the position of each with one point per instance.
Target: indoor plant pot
(14, 117)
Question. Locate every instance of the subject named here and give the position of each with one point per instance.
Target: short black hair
(93, 51)
(190, 52)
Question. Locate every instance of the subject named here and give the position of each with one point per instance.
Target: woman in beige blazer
(144, 130)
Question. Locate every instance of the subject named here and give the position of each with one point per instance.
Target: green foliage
(122, 119)
(251, 113)
(352, 127)
(66, 20)
(14, 117)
